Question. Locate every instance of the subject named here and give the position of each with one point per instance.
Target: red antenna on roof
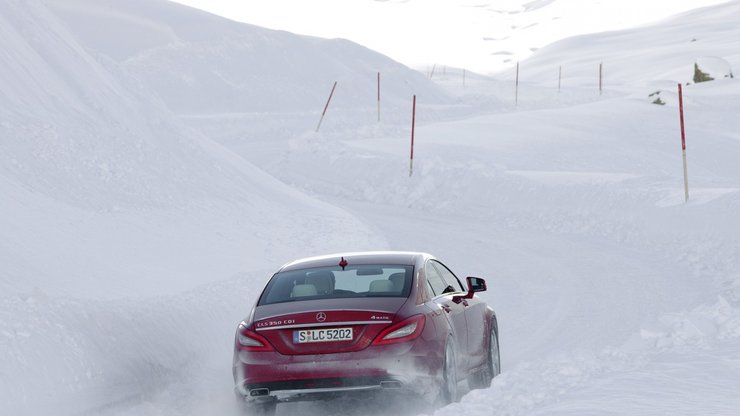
(343, 263)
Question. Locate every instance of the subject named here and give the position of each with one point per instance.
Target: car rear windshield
(335, 282)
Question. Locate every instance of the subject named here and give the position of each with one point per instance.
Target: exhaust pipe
(391, 384)
(259, 392)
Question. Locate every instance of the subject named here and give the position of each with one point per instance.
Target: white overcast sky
(480, 35)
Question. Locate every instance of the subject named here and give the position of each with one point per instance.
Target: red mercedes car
(352, 323)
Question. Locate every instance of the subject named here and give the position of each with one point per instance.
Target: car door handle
(446, 308)
(465, 302)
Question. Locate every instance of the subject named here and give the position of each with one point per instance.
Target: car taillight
(405, 330)
(252, 341)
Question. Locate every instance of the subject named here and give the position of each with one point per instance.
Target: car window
(436, 284)
(448, 276)
(336, 282)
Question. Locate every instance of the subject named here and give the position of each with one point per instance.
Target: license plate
(322, 335)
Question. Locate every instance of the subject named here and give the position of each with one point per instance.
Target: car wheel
(482, 379)
(494, 355)
(449, 375)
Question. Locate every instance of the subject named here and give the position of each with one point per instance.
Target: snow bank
(112, 211)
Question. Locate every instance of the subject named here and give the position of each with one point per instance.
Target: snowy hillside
(485, 36)
(644, 57)
(147, 196)
(228, 67)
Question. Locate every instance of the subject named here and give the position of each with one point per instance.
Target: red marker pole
(683, 145)
(378, 96)
(413, 123)
(326, 106)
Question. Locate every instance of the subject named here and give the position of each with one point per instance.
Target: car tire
(482, 379)
(494, 354)
(450, 392)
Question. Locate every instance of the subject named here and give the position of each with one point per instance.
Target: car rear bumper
(264, 376)
(321, 389)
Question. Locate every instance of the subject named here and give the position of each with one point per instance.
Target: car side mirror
(475, 284)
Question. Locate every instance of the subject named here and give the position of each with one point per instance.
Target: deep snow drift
(138, 225)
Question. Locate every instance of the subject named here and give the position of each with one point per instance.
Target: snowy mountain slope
(80, 140)
(518, 29)
(643, 57)
(247, 87)
(485, 36)
(228, 67)
(82, 133)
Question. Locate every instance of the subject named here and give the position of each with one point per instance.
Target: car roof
(409, 258)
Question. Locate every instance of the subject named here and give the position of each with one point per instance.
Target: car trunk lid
(326, 325)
